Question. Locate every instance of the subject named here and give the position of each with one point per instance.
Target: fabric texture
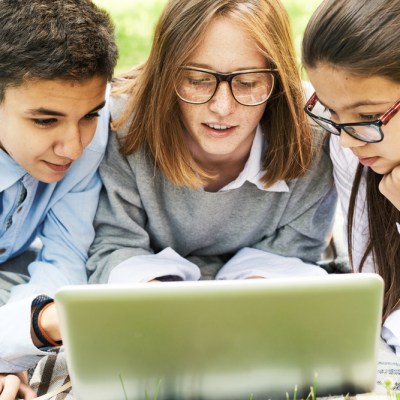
(344, 168)
(61, 215)
(141, 213)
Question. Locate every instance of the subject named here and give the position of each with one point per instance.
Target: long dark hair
(362, 37)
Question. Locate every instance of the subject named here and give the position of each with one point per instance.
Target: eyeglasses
(249, 88)
(369, 132)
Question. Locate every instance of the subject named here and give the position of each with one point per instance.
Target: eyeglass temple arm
(390, 113)
(311, 102)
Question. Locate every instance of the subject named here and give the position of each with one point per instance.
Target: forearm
(250, 263)
(149, 267)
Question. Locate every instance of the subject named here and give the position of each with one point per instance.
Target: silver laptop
(236, 340)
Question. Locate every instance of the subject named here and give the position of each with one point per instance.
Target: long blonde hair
(152, 110)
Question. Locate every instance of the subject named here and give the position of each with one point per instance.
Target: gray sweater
(141, 212)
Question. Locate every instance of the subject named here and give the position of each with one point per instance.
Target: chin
(46, 178)
(381, 170)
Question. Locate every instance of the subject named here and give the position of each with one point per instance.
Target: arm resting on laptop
(148, 267)
(250, 262)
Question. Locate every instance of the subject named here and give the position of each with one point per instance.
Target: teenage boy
(56, 58)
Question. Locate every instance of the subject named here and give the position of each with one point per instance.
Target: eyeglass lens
(368, 133)
(249, 88)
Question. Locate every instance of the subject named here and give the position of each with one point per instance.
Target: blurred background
(135, 21)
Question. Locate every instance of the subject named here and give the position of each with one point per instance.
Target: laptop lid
(252, 339)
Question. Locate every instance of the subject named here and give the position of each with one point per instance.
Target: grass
(311, 396)
(135, 21)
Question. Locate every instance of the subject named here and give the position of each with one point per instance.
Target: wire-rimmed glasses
(249, 88)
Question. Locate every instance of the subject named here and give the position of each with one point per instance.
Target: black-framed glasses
(249, 88)
(369, 132)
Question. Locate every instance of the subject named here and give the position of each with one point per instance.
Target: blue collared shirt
(61, 215)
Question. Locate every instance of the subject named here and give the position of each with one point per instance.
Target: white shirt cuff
(147, 267)
(17, 351)
(391, 331)
(250, 262)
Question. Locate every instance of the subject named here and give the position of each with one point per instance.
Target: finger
(26, 392)
(10, 387)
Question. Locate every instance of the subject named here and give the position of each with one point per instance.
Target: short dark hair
(54, 39)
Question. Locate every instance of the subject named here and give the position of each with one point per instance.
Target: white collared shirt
(252, 171)
(345, 164)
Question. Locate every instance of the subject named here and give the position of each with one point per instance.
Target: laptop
(236, 340)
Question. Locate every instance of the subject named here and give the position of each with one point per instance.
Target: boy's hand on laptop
(13, 385)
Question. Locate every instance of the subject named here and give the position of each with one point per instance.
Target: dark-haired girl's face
(349, 98)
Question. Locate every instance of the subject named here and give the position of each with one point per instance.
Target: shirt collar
(252, 171)
(11, 171)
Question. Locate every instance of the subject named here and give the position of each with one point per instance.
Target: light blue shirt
(61, 215)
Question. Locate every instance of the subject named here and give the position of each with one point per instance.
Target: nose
(223, 102)
(70, 145)
(348, 141)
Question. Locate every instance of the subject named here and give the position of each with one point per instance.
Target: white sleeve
(144, 268)
(17, 351)
(250, 262)
(391, 331)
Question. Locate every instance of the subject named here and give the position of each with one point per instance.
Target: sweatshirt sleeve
(118, 206)
(306, 224)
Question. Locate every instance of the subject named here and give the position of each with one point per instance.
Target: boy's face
(46, 124)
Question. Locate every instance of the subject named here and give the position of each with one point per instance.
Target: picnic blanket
(50, 377)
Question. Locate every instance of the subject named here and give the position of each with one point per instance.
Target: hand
(12, 385)
(390, 186)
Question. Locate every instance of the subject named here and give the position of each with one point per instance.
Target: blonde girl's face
(222, 130)
(350, 98)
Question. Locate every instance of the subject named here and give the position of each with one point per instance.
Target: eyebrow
(358, 104)
(46, 111)
(205, 66)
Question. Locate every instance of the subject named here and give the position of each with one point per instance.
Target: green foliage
(135, 21)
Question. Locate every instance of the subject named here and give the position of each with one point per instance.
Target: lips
(367, 161)
(219, 130)
(218, 127)
(58, 167)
